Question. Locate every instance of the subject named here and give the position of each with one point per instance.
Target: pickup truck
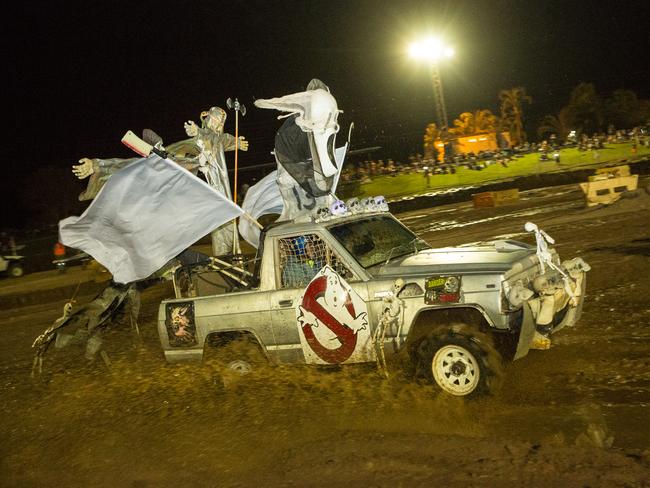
(359, 287)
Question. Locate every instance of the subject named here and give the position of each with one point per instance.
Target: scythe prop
(237, 107)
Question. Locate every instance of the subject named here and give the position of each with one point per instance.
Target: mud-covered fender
(460, 313)
(526, 332)
(237, 331)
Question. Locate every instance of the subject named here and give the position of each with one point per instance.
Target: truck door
(319, 310)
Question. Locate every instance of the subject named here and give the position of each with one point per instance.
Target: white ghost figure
(334, 300)
(306, 181)
(317, 113)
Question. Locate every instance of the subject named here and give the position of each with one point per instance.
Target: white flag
(145, 215)
(261, 199)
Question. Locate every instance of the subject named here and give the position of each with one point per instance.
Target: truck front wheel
(460, 360)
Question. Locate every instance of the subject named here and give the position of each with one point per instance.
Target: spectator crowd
(365, 171)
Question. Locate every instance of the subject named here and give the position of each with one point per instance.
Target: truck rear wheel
(460, 360)
(231, 359)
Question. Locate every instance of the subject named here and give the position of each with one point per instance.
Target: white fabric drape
(145, 215)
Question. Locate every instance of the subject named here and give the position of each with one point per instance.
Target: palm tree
(477, 122)
(585, 109)
(463, 125)
(555, 124)
(512, 112)
(485, 122)
(622, 109)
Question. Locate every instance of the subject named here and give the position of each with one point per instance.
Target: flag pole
(253, 220)
(236, 147)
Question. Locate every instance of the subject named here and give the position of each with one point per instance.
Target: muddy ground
(577, 414)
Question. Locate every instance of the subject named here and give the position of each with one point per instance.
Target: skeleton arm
(98, 171)
(191, 129)
(243, 144)
(229, 143)
(542, 239)
(83, 170)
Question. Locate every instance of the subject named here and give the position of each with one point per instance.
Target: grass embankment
(528, 164)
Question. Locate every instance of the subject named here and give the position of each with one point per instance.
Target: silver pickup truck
(361, 287)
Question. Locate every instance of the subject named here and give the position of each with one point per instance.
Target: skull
(398, 284)
(368, 204)
(354, 205)
(322, 213)
(451, 284)
(214, 119)
(338, 208)
(381, 204)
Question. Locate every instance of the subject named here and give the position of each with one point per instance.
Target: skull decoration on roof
(338, 208)
(374, 204)
(354, 205)
(381, 204)
(321, 214)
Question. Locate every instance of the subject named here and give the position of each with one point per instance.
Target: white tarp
(145, 215)
(339, 155)
(264, 198)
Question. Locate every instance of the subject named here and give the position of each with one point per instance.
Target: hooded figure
(304, 149)
(213, 142)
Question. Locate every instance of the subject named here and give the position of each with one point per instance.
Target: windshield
(377, 239)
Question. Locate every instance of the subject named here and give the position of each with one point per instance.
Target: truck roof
(290, 227)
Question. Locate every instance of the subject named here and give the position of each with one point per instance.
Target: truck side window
(301, 257)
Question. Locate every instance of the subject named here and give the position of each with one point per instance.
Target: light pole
(432, 51)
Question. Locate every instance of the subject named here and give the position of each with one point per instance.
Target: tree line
(585, 112)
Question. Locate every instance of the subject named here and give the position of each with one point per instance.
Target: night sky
(82, 73)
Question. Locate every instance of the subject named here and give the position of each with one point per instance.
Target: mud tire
(16, 271)
(460, 360)
(233, 360)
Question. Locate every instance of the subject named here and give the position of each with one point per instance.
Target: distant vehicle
(12, 265)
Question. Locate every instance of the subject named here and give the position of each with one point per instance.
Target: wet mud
(577, 414)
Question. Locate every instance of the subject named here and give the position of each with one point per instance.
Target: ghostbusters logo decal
(333, 321)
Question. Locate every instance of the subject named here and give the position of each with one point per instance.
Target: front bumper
(552, 310)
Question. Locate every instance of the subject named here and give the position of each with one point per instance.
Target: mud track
(575, 415)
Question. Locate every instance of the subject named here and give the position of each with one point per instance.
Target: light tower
(432, 51)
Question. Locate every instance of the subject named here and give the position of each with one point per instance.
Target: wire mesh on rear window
(301, 257)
